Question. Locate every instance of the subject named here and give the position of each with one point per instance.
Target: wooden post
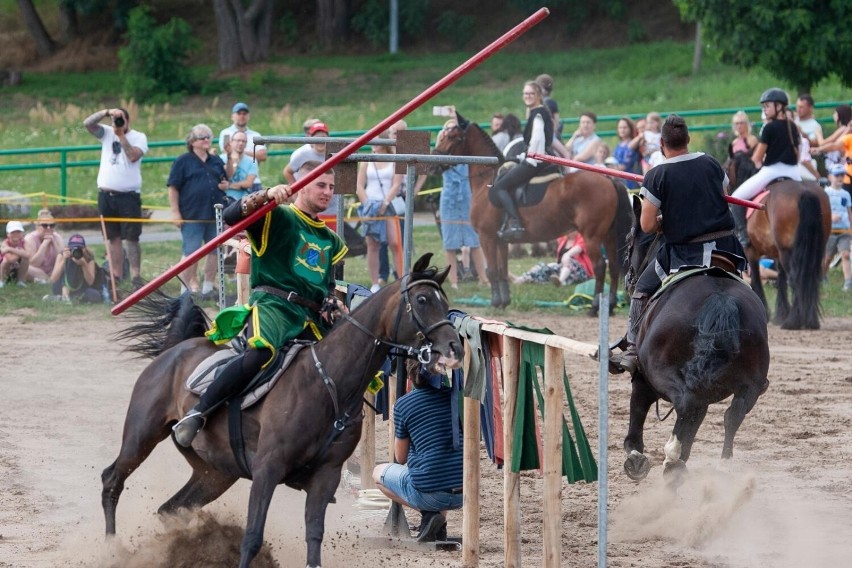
(470, 507)
(368, 445)
(511, 481)
(553, 395)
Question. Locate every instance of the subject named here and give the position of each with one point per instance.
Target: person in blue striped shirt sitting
(428, 476)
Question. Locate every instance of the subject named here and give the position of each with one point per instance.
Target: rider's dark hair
(844, 114)
(675, 134)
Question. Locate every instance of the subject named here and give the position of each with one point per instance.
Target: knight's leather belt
(711, 236)
(291, 297)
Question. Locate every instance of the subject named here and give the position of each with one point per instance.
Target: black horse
(701, 340)
(303, 430)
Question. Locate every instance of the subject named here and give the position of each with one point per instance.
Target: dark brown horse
(700, 341)
(594, 205)
(306, 426)
(793, 230)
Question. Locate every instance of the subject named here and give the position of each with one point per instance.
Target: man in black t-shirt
(684, 199)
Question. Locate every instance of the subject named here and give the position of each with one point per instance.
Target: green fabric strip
(577, 459)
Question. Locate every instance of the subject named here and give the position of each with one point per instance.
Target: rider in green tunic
(291, 277)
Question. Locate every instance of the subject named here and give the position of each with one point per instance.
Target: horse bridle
(423, 354)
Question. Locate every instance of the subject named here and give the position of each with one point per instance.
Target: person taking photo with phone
(120, 187)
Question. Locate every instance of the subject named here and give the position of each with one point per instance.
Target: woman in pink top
(744, 140)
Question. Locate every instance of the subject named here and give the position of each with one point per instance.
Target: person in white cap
(240, 114)
(16, 259)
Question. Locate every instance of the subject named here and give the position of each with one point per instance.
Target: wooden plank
(552, 461)
(511, 481)
(553, 340)
(470, 518)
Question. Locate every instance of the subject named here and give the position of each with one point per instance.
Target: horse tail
(623, 223)
(717, 340)
(161, 322)
(805, 270)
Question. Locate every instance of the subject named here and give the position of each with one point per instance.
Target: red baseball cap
(318, 127)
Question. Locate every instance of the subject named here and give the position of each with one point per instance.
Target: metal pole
(603, 425)
(624, 175)
(220, 256)
(394, 26)
(267, 140)
(408, 232)
(403, 111)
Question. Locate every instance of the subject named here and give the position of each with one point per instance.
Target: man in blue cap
(240, 117)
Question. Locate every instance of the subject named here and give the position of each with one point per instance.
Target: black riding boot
(628, 360)
(229, 382)
(513, 229)
(740, 227)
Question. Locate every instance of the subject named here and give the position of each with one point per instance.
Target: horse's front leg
(741, 405)
(265, 477)
(319, 494)
(756, 282)
(637, 465)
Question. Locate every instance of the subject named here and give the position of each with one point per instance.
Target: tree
(332, 21)
(45, 46)
(799, 42)
(245, 33)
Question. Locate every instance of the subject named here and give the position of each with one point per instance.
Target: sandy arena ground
(784, 501)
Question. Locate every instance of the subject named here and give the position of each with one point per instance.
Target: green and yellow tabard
(293, 253)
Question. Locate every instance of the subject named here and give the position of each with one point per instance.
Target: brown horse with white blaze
(594, 205)
(303, 430)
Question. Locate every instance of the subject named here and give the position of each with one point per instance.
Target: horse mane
(492, 146)
(160, 321)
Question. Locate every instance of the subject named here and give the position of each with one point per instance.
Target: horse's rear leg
(137, 444)
(320, 493)
(690, 415)
(782, 303)
(205, 485)
(741, 405)
(637, 465)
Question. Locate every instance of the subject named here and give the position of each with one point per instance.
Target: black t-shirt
(689, 191)
(781, 143)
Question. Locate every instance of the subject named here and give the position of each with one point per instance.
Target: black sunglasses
(48, 225)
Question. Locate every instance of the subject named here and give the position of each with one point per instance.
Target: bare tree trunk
(332, 18)
(68, 26)
(45, 46)
(696, 54)
(245, 34)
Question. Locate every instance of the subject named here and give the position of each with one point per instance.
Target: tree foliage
(800, 42)
(153, 63)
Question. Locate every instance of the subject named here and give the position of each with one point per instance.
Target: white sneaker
(375, 288)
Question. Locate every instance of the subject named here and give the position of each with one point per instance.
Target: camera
(118, 121)
(77, 253)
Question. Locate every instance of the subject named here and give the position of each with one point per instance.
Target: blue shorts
(195, 234)
(397, 479)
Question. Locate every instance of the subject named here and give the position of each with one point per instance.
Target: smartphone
(226, 140)
(442, 111)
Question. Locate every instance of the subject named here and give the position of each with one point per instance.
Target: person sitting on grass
(76, 276)
(15, 258)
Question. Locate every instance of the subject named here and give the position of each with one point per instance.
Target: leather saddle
(533, 191)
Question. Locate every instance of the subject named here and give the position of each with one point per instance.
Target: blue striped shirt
(423, 416)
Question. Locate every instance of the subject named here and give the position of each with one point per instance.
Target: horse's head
(641, 248)
(420, 317)
(471, 141)
(739, 168)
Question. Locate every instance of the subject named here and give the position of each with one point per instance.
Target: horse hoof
(674, 473)
(637, 466)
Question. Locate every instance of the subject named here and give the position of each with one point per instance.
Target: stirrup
(188, 427)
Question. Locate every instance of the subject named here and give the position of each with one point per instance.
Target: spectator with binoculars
(76, 276)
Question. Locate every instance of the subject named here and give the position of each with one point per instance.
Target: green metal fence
(701, 121)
